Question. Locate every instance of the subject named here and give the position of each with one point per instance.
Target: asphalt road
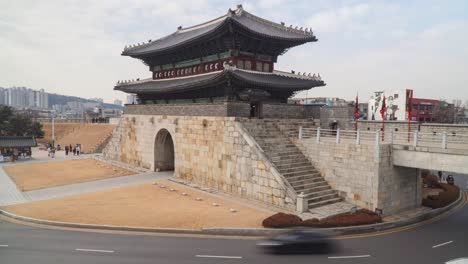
(437, 242)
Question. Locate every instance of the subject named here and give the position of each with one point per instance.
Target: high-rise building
(100, 100)
(22, 97)
(2, 96)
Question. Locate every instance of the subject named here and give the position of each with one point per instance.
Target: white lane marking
(443, 244)
(3, 245)
(348, 257)
(94, 250)
(211, 256)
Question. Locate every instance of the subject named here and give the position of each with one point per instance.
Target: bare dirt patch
(145, 205)
(35, 176)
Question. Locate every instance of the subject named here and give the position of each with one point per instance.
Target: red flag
(356, 108)
(409, 99)
(384, 108)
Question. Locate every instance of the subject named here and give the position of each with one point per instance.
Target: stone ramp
(61, 129)
(271, 135)
(90, 136)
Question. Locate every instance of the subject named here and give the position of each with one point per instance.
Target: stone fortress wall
(213, 152)
(216, 151)
(364, 175)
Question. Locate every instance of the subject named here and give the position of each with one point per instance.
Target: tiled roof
(239, 17)
(7, 142)
(275, 80)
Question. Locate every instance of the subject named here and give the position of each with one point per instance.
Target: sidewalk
(9, 194)
(93, 186)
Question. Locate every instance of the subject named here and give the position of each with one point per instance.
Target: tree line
(13, 123)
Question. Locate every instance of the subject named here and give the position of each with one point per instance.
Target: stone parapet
(225, 109)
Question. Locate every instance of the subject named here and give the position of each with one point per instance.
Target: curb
(256, 232)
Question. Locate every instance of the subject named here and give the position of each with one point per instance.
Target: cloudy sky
(73, 47)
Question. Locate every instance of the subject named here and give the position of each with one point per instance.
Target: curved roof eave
(245, 20)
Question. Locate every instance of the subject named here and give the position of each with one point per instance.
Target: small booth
(16, 148)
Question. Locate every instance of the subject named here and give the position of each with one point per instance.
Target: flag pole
(409, 98)
(383, 110)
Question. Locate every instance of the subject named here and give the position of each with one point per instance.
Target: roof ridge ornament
(229, 66)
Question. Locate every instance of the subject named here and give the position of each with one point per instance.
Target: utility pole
(53, 131)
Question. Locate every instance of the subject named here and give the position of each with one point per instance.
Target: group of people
(76, 150)
(449, 179)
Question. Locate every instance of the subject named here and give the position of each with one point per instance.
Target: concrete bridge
(377, 170)
(433, 151)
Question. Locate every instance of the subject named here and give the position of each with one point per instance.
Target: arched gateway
(163, 151)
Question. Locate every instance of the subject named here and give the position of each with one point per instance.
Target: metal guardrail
(417, 139)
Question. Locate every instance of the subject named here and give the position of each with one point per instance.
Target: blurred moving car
(299, 241)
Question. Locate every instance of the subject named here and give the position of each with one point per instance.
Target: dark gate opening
(164, 151)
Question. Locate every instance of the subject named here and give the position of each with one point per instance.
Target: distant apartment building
(75, 106)
(22, 97)
(3, 96)
(100, 100)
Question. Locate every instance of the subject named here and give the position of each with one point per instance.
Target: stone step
(309, 183)
(313, 199)
(318, 185)
(285, 163)
(324, 202)
(308, 167)
(287, 146)
(300, 172)
(283, 155)
(311, 193)
(313, 176)
(293, 164)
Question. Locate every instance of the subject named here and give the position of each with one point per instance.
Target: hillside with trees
(13, 123)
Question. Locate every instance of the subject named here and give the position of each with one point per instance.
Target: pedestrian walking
(52, 152)
(74, 151)
(48, 150)
(78, 149)
(450, 180)
(66, 150)
(441, 176)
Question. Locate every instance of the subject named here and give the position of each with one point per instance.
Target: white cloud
(73, 47)
(333, 20)
(432, 62)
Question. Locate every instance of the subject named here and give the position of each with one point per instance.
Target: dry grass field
(35, 176)
(145, 205)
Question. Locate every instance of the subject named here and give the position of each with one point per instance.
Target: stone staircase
(289, 160)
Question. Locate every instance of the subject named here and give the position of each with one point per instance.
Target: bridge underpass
(449, 160)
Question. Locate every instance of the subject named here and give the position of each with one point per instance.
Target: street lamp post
(53, 131)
